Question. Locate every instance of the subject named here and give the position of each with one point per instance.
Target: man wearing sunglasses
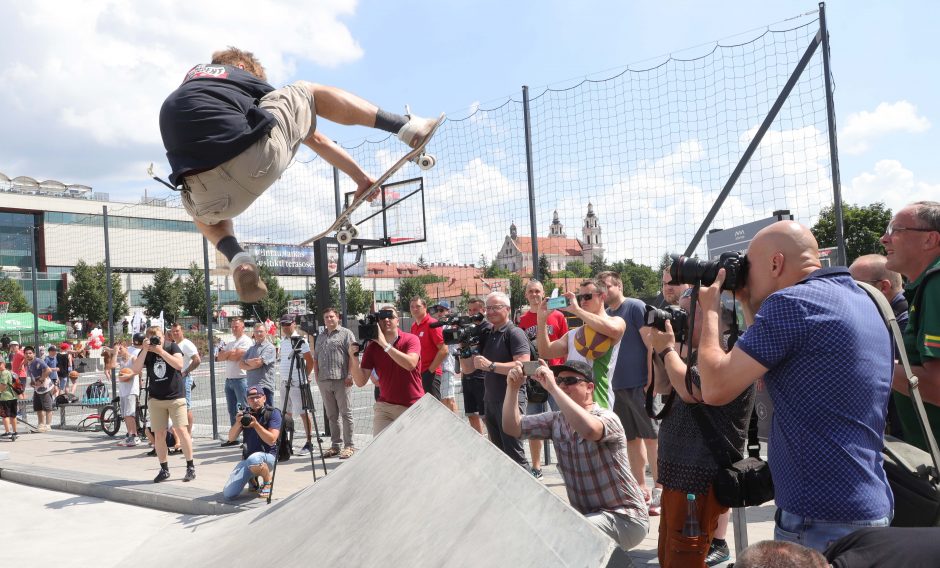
(596, 342)
(592, 450)
(394, 356)
(912, 245)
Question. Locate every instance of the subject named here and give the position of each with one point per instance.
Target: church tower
(513, 233)
(556, 229)
(591, 233)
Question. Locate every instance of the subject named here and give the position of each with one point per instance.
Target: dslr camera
(656, 317)
(245, 419)
(154, 340)
(467, 331)
(367, 325)
(697, 272)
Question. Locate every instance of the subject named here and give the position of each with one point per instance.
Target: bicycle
(110, 417)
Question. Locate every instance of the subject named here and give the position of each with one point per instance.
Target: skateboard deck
(343, 223)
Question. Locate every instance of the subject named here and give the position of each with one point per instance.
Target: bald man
(873, 269)
(825, 355)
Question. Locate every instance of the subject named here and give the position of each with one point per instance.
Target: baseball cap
(579, 367)
(14, 342)
(255, 390)
(53, 348)
(138, 339)
(287, 319)
(65, 346)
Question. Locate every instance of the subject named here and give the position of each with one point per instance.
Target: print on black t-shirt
(165, 382)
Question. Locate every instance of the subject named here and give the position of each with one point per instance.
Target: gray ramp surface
(427, 492)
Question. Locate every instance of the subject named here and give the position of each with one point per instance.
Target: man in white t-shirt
(128, 386)
(294, 401)
(236, 382)
(191, 361)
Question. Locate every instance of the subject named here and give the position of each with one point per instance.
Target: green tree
(422, 263)
(639, 281)
(273, 304)
(483, 263)
(311, 296)
(358, 300)
(12, 292)
(579, 269)
(194, 293)
(464, 301)
(665, 261)
(598, 265)
(87, 296)
(516, 292)
(494, 271)
(545, 272)
(863, 226)
(408, 289)
(164, 295)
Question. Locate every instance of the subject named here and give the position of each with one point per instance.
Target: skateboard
(345, 229)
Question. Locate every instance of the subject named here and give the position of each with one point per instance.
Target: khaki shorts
(161, 411)
(226, 191)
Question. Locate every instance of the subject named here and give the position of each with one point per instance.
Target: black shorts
(630, 407)
(42, 401)
(473, 391)
(8, 408)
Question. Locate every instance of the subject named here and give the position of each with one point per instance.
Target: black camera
(656, 317)
(307, 323)
(367, 325)
(246, 419)
(154, 340)
(685, 270)
(465, 331)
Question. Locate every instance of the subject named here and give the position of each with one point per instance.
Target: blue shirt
(830, 364)
(52, 362)
(631, 368)
(253, 443)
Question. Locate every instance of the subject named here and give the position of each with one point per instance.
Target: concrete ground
(99, 477)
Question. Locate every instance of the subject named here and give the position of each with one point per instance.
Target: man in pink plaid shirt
(584, 434)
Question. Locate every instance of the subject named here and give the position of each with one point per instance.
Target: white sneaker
(416, 130)
(656, 501)
(123, 441)
(131, 441)
(247, 278)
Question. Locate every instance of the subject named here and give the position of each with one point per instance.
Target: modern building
(516, 253)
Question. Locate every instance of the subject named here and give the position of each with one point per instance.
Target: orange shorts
(676, 550)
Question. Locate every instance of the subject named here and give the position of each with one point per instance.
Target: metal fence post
(533, 229)
(107, 273)
(211, 339)
(340, 261)
(833, 142)
(32, 255)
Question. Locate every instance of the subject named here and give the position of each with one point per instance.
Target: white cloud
(861, 128)
(890, 183)
(83, 82)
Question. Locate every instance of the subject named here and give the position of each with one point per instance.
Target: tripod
(298, 364)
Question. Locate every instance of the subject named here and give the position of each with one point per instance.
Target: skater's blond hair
(239, 58)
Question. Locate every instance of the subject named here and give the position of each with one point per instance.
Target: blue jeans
(236, 392)
(817, 534)
(188, 381)
(241, 474)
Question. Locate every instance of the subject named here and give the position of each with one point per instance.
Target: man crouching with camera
(262, 427)
(687, 464)
(592, 450)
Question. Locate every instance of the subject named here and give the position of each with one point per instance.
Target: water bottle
(691, 527)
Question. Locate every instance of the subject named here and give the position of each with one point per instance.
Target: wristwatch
(492, 367)
(387, 347)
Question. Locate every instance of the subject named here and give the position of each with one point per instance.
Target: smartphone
(557, 303)
(530, 367)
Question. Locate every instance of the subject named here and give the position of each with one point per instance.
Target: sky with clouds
(83, 81)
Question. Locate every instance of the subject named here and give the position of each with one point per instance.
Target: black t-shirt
(212, 117)
(500, 346)
(62, 361)
(886, 546)
(166, 383)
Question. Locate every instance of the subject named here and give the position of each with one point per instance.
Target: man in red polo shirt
(394, 357)
(433, 349)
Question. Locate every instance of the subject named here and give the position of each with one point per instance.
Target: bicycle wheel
(110, 419)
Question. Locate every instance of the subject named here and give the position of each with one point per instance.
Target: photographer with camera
(592, 450)
(501, 348)
(686, 462)
(474, 389)
(166, 399)
(394, 356)
(825, 355)
(596, 342)
(261, 425)
(292, 340)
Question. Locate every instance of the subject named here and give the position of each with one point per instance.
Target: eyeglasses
(892, 229)
(568, 381)
(583, 297)
(496, 307)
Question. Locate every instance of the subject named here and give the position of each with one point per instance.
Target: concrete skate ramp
(428, 492)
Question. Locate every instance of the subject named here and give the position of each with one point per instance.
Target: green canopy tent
(19, 326)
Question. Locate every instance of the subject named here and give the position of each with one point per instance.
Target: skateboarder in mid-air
(229, 135)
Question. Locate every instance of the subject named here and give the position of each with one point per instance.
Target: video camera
(465, 331)
(657, 317)
(685, 270)
(367, 325)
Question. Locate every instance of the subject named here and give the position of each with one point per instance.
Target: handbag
(912, 473)
(740, 481)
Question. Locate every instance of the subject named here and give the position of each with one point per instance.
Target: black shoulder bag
(912, 473)
(740, 481)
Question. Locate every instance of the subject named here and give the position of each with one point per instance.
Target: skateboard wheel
(344, 237)
(354, 231)
(426, 161)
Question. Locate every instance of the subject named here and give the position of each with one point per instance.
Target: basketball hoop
(4, 306)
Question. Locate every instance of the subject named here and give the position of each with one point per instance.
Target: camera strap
(693, 301)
